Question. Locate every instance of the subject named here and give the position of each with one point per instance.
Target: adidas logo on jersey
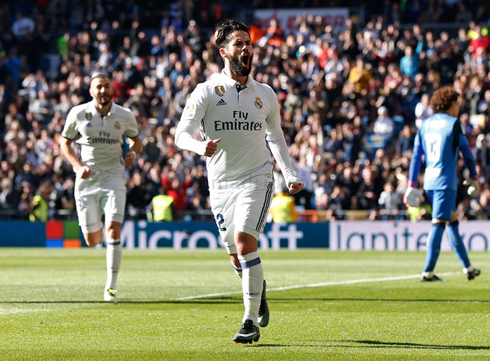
(221, 102)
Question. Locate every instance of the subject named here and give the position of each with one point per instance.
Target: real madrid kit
(247, 119)
(100, 139)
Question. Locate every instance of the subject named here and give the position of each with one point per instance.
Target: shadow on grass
(128, 302)
(385, 344)
(380, 344)
(238, 299)
(373, 300)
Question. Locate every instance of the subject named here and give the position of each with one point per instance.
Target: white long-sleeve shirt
(244, 121)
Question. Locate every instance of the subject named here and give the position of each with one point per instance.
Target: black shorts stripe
(265, 207)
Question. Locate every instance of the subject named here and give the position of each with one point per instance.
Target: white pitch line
(323, 284)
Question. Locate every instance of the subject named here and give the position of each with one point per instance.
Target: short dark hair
(443, 98)
(99, 75)
(225, 30)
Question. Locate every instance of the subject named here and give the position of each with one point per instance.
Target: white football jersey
(243, 120)
(100, 138)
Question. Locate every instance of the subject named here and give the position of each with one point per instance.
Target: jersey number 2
(219, 221)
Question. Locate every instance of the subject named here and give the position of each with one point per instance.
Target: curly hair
(443, 98)
(227, 27)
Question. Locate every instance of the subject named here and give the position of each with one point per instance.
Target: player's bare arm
(70, 155)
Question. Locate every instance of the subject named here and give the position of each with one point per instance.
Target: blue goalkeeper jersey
(440, 139)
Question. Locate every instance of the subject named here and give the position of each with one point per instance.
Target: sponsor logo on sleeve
(190, 109)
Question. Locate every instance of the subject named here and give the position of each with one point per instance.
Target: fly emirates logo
(240, 122)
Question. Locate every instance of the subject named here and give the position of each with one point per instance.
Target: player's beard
(104, 100)
(236, 65)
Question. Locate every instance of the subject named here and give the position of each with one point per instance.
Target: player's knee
(92, 239)
(245, 243)
(114, 230)
(113, 234)
(92, 236)
(246, 247)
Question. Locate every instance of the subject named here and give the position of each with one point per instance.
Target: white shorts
(242, 209)
(100, 196)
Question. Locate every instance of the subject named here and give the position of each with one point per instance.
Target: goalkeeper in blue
(440, 139)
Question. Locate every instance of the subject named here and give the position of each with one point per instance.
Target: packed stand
(351, 100)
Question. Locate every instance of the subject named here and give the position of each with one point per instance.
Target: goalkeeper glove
(473, 187)
(413, 197)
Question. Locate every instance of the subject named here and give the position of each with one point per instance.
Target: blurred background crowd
(351, 100)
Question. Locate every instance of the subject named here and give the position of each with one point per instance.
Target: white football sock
(252, 283)
(237, 270)
(113, 259)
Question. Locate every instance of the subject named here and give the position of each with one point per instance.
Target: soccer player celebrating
(440, 139)
(236, 115)
(100, 188)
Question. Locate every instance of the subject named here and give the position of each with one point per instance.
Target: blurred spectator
(368, 192)
(23, 26)
(339, 202)
(139, 196)
(360, 76)
(482, 155)
(162, 208)
(383, 124)
(304, 172)
(389, 202)
(257, 31)
(40, 208)
(409, 64)
(423, 211)
(484, 104)
(9, 196)
(405, 140)
(282, 207)
(274, 34)
(422, 110)
(193, 37)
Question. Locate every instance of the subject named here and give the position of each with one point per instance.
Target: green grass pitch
(187, 305)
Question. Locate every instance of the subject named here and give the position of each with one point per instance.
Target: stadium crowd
(351, 100)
